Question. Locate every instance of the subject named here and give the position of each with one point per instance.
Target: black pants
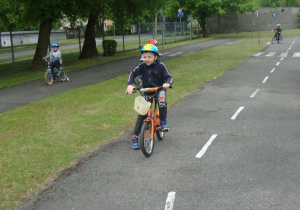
(54, 63)
(162, 104)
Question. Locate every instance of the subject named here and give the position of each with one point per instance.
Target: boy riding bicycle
(54, 58)
(278, 31)
(154, 74)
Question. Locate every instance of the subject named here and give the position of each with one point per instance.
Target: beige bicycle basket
(141, 106)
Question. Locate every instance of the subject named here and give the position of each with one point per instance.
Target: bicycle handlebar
(149, 90)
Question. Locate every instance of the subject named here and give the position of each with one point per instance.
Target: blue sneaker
(164, 126)
(135, 142)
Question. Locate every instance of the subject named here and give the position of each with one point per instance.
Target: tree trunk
(204, 29)
(89, 49)
(42, 45)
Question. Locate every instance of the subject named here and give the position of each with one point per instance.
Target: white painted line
(237, 113)
(283, 55)
(296, 54)
(170, 201)
(272, 70)
(277, 64)
(258, 54)
(254, 93)
(176, 54)
(265, 80)
(166, 53)
(271, 54)
(281, 59)
(205, 147)
(268, 43)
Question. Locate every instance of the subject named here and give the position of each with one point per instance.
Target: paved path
(13, 97)
(233, 145)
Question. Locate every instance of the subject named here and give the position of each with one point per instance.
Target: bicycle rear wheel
(146, 143)
(48, 78)
(63, 75)
(160, 135)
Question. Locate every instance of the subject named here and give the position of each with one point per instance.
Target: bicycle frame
(152, 117)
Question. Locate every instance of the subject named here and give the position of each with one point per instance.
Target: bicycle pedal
(164, 130)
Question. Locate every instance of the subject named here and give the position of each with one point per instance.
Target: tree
(9, 13)
(279, 3)
(203, 9)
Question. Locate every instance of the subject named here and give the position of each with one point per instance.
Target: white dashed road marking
(170, 201)
(271, 54)
(266, 78)
(237, 113)
(176, 53)
(283, 55)
(208, 143)
(258, 54)
(254, 93)
(296, 55)
(166, 53)
(272, 70)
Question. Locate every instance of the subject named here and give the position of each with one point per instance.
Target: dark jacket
(154, 75)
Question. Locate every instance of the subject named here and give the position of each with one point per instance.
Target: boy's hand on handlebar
(166, 86)
(129, 89)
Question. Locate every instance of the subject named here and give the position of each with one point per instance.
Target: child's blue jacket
(154, 75)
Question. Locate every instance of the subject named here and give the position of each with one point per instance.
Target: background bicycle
(60, 73)
(277, 37)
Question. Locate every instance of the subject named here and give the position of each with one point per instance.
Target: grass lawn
(40, 139)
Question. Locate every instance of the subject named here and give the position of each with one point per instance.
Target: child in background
(54, 58)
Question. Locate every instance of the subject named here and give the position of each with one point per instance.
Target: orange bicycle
(151, 124)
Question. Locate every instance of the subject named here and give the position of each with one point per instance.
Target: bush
(109, 47)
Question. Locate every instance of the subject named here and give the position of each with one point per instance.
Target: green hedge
(109, 47)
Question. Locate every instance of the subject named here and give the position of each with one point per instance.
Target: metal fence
(168, 32)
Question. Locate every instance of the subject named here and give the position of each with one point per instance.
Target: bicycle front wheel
(146, 143)
(272, 41)
(48, 78)
(63, 75)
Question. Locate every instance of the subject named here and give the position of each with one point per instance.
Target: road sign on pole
(274, 16)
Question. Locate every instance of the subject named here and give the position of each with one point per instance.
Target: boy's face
(55, 49)
(149, 58)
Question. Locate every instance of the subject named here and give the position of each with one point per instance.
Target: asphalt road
(13, 97)
(232, 145)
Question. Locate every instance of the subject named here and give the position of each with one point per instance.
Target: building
(29, 37)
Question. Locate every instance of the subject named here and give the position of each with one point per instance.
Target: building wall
(232, 23)
(29, 37)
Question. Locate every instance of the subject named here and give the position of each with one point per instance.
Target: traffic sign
(190, 19)
(179, 10)
(180, 14)
(274, 15)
